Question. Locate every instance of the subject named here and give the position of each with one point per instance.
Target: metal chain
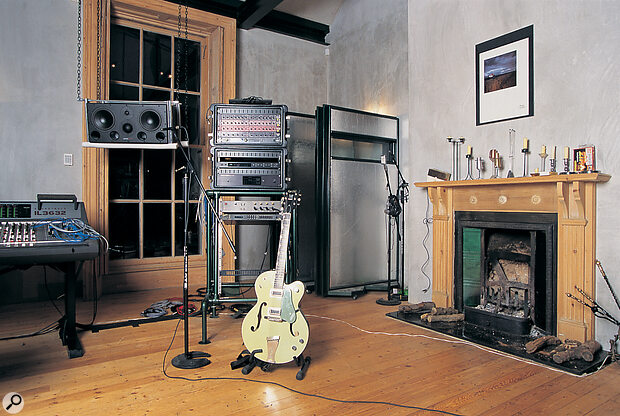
(99, 22)
(178, 57)
(185, 47)
(79, 52)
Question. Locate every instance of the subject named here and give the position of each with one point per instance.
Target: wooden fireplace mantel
(571, 197)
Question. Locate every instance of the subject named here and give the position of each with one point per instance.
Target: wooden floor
(121, 372)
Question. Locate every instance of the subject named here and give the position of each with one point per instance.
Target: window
(135, 196)
(145, 193)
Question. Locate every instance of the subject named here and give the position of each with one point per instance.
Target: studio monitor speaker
(133, 122)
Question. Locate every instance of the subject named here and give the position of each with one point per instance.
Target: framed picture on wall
(505, 77)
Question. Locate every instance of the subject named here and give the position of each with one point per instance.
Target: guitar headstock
(291, 199)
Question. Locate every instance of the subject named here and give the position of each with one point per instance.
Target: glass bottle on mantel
(511, 156)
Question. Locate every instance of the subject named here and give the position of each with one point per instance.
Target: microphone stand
(394, 211)
(188, 359)
(191, 359)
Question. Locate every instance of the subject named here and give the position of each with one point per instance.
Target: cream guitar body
(275, 325)
(275, 330)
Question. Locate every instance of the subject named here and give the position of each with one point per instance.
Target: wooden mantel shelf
(572, 197)
(582, 177)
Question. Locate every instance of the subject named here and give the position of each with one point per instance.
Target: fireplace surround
(572, 198)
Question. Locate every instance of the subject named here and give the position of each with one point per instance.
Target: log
(455, 317)
(443, 311)
(584, 352)
(540, 343)
(416, 307)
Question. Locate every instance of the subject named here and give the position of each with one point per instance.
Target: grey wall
(577, 69)
(287, 70)
(40, 118)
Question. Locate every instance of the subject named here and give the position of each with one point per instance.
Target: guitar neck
(282, 251)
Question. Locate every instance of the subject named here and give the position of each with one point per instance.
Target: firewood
(540, 343)
(443, 311)
(416, 307)
(584, 352)
(455, 317)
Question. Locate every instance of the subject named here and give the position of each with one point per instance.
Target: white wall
(40, 117)
(577, 99)
(288, 70)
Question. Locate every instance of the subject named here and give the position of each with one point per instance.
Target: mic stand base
(193, 359)
(388, 302)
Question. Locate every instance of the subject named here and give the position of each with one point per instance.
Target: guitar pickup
(273, 311)
(275, 293)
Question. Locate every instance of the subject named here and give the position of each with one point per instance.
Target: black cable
(45, 330)
(426, 221)
(273, 383)
(47, 289)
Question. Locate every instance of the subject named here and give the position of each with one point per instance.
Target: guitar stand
(248, 361)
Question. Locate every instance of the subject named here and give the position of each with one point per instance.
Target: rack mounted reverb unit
(249, 169)
(248, 124)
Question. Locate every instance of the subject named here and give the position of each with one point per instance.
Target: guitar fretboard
(278, 282)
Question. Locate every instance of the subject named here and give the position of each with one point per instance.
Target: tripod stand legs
(248, 361)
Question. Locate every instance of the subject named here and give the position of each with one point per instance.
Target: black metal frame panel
(325, 133)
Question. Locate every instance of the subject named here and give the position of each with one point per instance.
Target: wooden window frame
(217, 85)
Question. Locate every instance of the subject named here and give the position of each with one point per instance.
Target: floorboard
(121, 371)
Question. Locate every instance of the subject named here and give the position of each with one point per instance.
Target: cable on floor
(292, 390)
(459, 341)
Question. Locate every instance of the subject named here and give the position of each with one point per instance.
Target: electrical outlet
(68, 159)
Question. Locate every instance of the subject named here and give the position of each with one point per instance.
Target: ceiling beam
(254, 10)
(272, 20)
(294, 26)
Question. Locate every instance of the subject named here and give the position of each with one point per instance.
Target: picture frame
(505, 77)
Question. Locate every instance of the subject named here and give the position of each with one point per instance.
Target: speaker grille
(150, 120)
(103, 119)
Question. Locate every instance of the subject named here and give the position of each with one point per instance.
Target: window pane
(157, 230)
(123, 231)
(123, 92)
(190, 106)
(189, 64)
(124, 173)
(149, 94)
(193, 233)
(156, 60)
(157, 164)
(196, 159)
(124, 54)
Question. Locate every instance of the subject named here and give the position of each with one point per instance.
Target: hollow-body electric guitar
(274, 329)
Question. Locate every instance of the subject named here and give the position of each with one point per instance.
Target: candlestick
(526, 143)
(469, 151)
(526, 168)
(469, 160)
(552, 161)
(456, 143)
(494, 156)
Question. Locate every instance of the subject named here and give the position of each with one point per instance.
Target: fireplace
(570, 198)
(505, 277)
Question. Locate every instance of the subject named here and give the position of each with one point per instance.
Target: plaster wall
(287, 70)
(40, 117)
(576, 90)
